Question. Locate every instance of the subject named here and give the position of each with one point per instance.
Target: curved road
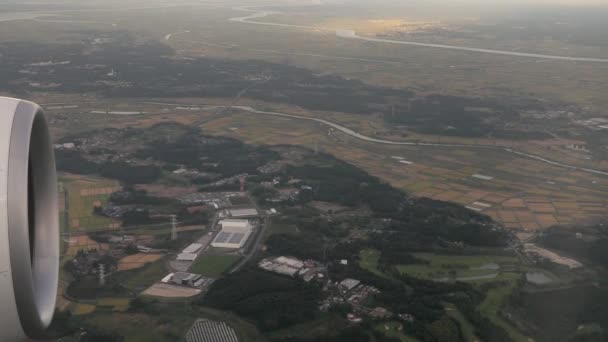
(350, 34)
(390, 142)
(360, 136)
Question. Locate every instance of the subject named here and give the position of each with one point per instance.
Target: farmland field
(147, 275)
(84, 194)
(213, 265)
(478, 268)
(524, 194)
(136, 261)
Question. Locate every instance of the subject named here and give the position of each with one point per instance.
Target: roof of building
(192, 248)
(204, 330)
(184, 276)
(186, 256)
(246, 212)
(235, 223)
(349, 283)
(167, 278)
(231, 239)
(292, 262)
(272, 266)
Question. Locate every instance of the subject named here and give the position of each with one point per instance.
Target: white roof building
(234, 234)
(193, 248)
(348, 284)
(186, 256)
(249, 212)
(233, 224)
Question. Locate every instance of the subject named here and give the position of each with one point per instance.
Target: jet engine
(29, 222)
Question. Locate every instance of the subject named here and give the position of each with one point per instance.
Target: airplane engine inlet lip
(33, 222)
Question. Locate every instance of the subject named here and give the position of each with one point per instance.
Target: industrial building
(234, 234)
(243, 213)
(187, 279)
(204, 330)
(348, 284)
(187, 256)
(193, 248)
(282, 265)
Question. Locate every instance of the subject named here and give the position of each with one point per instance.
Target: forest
(144, 69)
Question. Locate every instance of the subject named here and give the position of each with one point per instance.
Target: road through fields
(350, 34)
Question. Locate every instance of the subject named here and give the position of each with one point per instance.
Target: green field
(117, 304)
(369, 261)
(170, 324)
(491, 304)
(439, 266)
(475, 268)
(468, 331)
(213, 265)
(146, 276)
(81, 207)
(141, 328)
(393, 331)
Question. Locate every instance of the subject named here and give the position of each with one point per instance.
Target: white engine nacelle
(29, 222)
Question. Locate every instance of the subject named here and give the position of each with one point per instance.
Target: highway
(350, 34)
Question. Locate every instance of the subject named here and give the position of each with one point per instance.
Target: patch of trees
(219, 155)
(130, 174)
(458, 116)
(304, 245)
(89, 288)
(419, 220)
(198, 218)
(573, 307)
(270, 300)
(149, 73)
(95, 335)
(424, 299)
(74, 162)
(360, 333)
(139, 217)
(131, 195)
(592, 245)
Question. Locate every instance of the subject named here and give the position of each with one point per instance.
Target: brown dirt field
(83, 242)
(98, 191)
(166, 191)
(541, 207)
(495, 198)
(514, 203)
(136, 261)
(507, 216)
(565, 205)
(530, 226)
(524, 216)
(437, 171)
(476, 195)
(546, 220)
(448, 195)
(170, 291)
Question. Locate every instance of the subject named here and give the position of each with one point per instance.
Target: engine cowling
(29, 222)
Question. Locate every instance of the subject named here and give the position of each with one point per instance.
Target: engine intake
(29, 222)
